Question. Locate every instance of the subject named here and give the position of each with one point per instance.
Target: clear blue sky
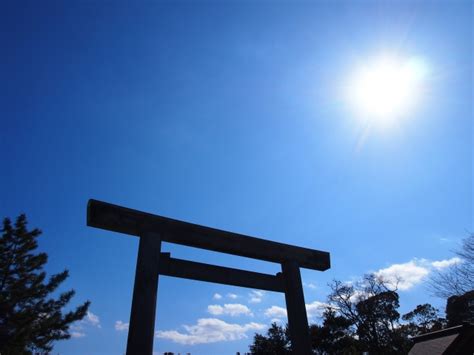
(231, 115)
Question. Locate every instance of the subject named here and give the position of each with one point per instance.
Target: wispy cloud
(90, 320)
(217, 296)
(231, 309)
(121, 326)
(446, 263)
(93, 320)
(444, 240)
(78, 334)
(209, 330)
(77, 330)
(232, 296)
(256, 296)
(310, 285)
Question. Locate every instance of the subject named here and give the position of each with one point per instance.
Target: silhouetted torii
(153, 229)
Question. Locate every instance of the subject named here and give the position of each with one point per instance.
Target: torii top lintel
(125, 220)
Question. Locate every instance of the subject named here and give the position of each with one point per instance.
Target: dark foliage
(276, 342)
(334, 336)
(30, 318)
(460, 309)
(423, 319)
(362, 317)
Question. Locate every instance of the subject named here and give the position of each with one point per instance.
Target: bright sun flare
(386, 89)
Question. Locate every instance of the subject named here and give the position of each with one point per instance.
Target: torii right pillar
(296, 309)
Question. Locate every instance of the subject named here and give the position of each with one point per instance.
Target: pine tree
(30, 318)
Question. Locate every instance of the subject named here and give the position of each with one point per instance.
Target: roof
(450, 341)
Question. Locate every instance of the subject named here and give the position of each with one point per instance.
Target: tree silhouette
(30, 318)
(460, 309)
(371, 309)
(276, 342)
(334, 336)
(423, 319)
(360, 317)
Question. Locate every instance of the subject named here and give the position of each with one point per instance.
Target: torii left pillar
(142, 316)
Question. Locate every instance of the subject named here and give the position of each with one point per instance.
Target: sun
(386, 89)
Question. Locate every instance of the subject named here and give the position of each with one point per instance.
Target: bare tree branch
(457, 279)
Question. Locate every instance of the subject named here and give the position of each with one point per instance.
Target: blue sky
(232, 115)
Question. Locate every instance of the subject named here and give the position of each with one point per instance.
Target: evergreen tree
(460, 309)
(30, 318)
(276, 342)
(334, 336)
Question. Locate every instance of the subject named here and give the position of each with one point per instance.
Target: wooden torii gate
(151, 262)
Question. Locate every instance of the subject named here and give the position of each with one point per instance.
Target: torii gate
(153, 229)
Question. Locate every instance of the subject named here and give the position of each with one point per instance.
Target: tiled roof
(454, 340)
(435, 346)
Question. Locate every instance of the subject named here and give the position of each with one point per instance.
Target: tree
(31, 319)
(424, 319)
(276, 342)
(457, 279)
(360, 317)
(371, 309)
(460, 309)
(334, 336)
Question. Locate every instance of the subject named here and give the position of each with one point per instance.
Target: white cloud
(209, 330)
(215, 309)
(77, 334)
(313, 310)
(231, 309)
(121, 326)
(93, 320)
(441, 264)
(275, 312)
(359, 296)
(404, 276)
(256, 296)
(232, 296)
(316, 309)
(217, 296)
(310, 285)
(409, 274)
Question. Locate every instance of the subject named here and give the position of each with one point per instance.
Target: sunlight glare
(386, 89)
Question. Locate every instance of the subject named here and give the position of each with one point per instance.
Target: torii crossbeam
(153, 229)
